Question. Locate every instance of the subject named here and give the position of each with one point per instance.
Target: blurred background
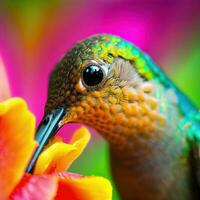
(35, 34)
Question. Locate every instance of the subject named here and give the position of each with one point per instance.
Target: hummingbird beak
(48, 127)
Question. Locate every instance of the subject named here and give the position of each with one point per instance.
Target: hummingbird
(152, 128)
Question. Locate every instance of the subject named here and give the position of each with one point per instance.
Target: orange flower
(49, 181)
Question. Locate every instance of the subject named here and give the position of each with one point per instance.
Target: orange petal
(4, 86)
(54, 158)
(58, 156)
(17, 126)
(35, 188)
(74, 187)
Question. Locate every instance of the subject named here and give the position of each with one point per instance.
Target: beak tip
(47, 129)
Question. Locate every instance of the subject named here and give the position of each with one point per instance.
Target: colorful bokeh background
(35, 34)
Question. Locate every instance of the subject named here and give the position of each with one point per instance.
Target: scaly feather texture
(153, 129)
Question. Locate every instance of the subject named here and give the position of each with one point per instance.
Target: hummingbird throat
(143, 113)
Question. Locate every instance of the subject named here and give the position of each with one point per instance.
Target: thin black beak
(47, 128)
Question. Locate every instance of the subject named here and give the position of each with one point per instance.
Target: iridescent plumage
(152, 127)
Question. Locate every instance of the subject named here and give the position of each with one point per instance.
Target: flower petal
(35, 188)
(76, 187)
(17, 126)
(4, 86)
(54, 158)
(58, 156)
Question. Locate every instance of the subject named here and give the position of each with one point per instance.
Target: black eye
(92, 75)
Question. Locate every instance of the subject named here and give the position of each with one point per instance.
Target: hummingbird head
(103, 82)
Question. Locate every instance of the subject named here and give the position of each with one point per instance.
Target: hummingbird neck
(154, 126)
(156, 163)
(146, 119)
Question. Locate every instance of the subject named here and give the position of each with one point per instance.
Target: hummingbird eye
(92, 75)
